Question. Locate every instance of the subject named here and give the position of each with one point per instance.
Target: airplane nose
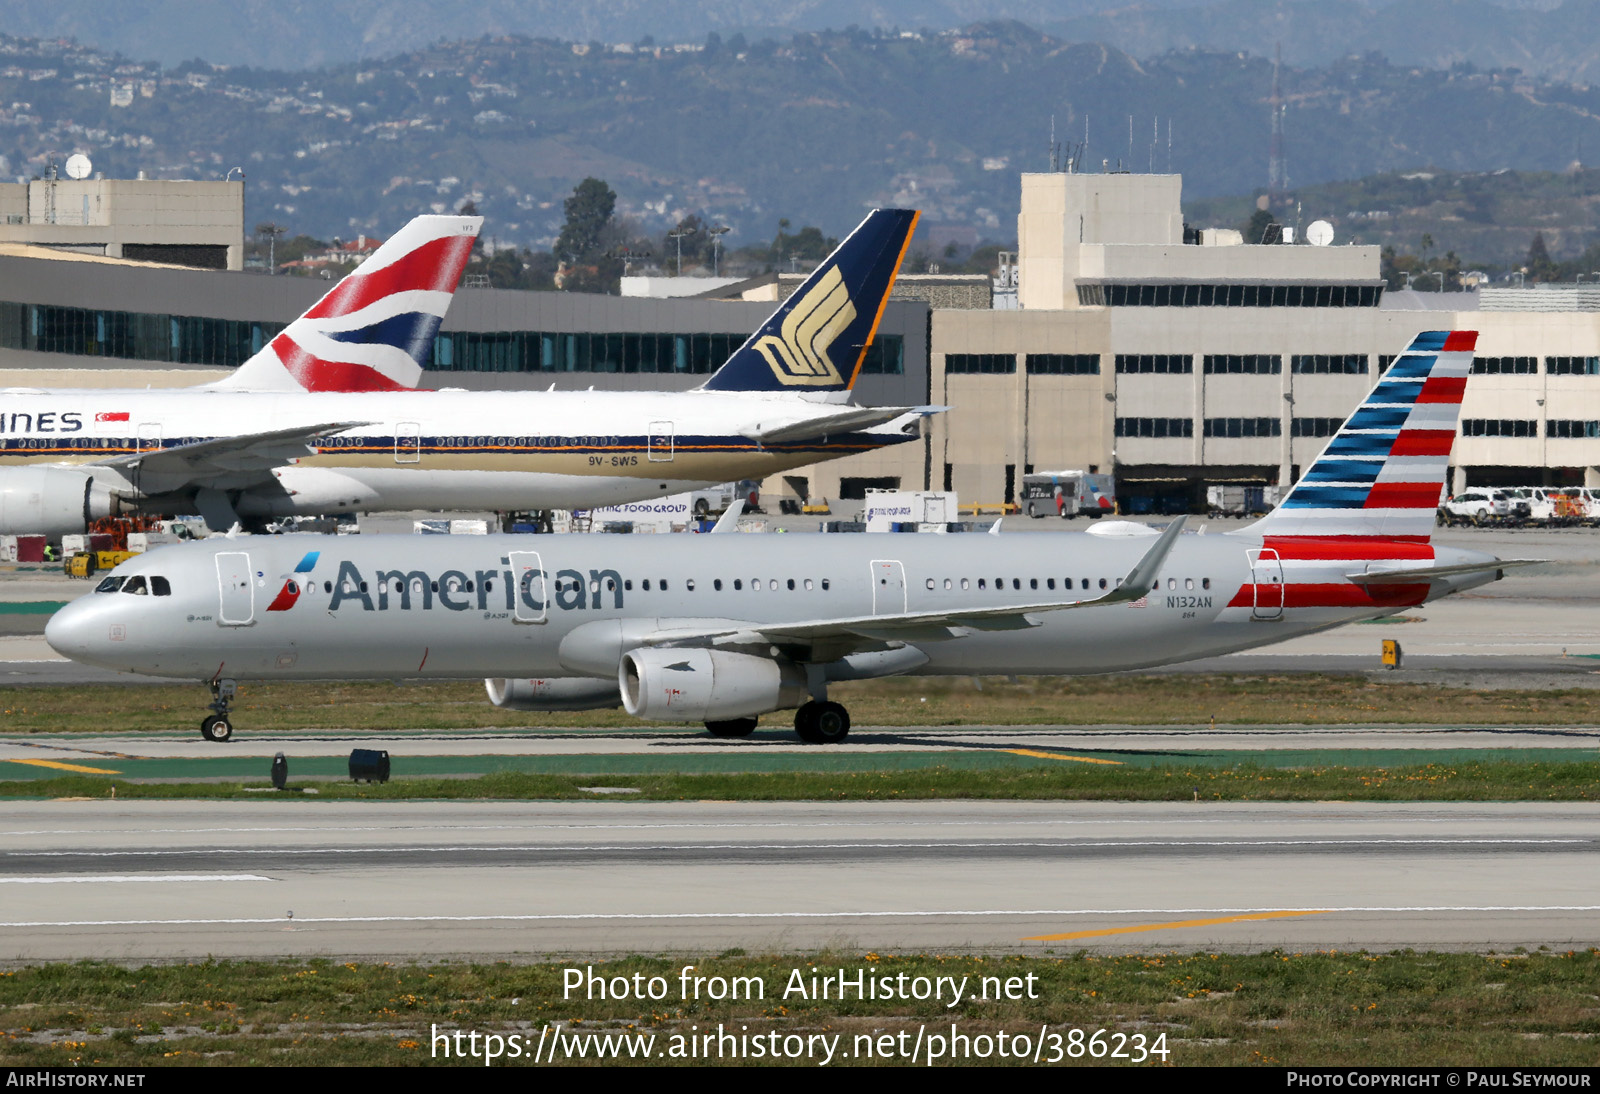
(74, 632)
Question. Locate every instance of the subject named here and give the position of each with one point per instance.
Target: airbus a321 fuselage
(327, 417)
(722, 628)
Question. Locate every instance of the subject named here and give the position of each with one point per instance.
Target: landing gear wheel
(216, 728)
(734, 727)
(823, 723)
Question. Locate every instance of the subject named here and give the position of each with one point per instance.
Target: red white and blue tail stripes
(1384, 471)
(375, 329)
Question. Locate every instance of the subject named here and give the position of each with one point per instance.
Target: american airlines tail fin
(1384, 471)
(816, 340)
(374, 330)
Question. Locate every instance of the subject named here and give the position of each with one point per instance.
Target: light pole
(716, 239)
(678, 235)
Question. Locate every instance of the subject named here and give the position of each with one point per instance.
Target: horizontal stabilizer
(1416, 575)
(823, 425)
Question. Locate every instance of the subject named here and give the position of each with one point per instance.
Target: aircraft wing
(843, 421)
(225, 461)
(830, 639)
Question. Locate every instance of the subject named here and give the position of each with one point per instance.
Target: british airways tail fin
(816, 340)
(1382, 474)
(374, 330)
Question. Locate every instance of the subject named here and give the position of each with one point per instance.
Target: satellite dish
(1319, 233)
(78, 166)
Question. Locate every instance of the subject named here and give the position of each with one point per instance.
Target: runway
(184, 880)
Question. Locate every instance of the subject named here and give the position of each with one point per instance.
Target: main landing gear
(822, 722)
(218, 727)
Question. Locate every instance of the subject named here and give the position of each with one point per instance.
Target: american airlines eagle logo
(800, 356)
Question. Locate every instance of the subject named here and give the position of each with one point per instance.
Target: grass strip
(1245, 700)
(1489, 781)
(1322, 1008)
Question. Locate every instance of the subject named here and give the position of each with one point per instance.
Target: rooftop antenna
(1130, 143)
(1277, 170)
(1055, 149)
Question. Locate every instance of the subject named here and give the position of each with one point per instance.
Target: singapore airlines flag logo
(800, 356)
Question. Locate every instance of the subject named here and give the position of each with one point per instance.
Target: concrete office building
(1177, 358)
(182, 223)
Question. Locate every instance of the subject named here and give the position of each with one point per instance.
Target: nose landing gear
(217, 726)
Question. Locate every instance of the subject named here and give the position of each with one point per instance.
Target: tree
(1256, 230)
(1538, 263)
(588, 212)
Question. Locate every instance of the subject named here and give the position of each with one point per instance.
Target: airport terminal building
(1169, 357)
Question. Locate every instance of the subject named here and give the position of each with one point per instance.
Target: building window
(1155, 427)
(1315, 427)
(1350, 364)
(1064, 364)
(1243, 427)
(987, 364)
(885, 357)
(1571, 428)
(1493, 366)
(1571, 366)
(1243, 363)
(1210, 295)
(1499, 427)
(1155, 362)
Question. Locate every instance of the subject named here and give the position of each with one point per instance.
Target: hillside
(817, 129)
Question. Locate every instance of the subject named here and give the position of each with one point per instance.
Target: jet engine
(561, 693)
(698, 685)
(52, 501)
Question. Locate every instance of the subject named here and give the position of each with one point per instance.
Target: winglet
(816, 340)
(729, 520)
(1136, 586)
(374, 330)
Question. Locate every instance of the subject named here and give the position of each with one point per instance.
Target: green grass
(1490, 781)
(1309, 699)
(1323, 1008)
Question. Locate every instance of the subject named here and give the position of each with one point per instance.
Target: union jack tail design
(1354, 532)
(375, 329)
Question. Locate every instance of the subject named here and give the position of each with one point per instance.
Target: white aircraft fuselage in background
(327, 417)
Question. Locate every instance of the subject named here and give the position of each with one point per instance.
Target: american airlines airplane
(327, 417)
(723, 628)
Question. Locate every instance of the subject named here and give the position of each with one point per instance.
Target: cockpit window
(110, 584)
(159, 586)
(136, 586)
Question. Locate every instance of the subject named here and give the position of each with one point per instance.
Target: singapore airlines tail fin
(1382, 475)
(815, 342)
(374, 330)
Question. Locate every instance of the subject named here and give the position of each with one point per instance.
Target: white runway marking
(78, 879)
(657, 916)
(985, 845)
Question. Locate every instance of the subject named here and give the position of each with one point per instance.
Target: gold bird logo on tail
(800, 356)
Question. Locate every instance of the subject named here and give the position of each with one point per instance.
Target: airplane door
(237, 589)
(888, 587)
(1266, 577)
(532, 605)
(661, 442)
(408, 443)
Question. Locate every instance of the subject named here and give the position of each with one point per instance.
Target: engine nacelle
(561, 693)
(53, 501)
(698, 685)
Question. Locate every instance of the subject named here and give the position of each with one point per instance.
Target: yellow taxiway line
(65, 767)
(1061, 756)
(1171, 926)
